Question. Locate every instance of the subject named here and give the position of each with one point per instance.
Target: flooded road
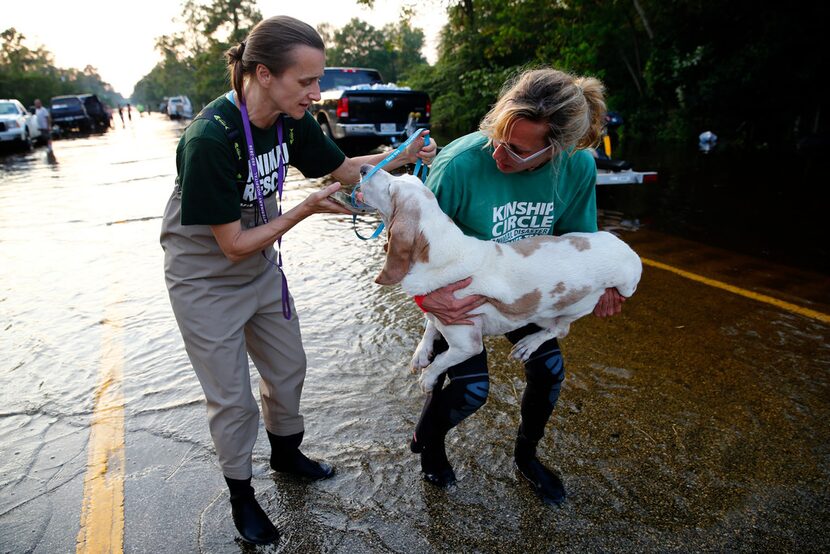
(696, 420)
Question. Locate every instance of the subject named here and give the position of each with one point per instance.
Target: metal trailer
(625, 177)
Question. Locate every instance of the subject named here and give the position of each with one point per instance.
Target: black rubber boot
(547, 484)
(250, 519)
(287, 458)
(435, 466)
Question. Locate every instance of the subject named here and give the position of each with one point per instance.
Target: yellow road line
(794, 308)
(102, 513)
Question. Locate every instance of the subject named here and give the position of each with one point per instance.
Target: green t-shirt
(207, 165)
(556, 198)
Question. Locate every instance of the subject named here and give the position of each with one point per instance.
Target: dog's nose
(364, 169)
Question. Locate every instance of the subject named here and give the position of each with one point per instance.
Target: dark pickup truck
(84, 112)
(356, 105)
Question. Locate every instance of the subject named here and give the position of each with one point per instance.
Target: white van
(179, 107)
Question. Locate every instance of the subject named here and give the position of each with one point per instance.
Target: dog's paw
(525, 347)
(521, 352)
(426, 381)
(421, 359)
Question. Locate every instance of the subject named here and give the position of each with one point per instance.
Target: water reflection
(658, 451)
(767, 204)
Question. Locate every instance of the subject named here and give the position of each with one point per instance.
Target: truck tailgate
(379, 106)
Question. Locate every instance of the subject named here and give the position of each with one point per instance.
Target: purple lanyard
(260, 197)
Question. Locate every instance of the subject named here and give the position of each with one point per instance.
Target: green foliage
(744, 70)
(26, 74)
(394, 50)
(193, 62)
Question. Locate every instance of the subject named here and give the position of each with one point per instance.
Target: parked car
(16, 124)
(179, 107)
(99, 113)
(355, 104)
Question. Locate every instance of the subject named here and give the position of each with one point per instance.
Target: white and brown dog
(546, 280)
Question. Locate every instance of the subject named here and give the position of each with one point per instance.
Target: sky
(117, 37)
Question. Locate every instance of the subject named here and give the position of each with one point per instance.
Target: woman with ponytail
(223, 274)
(526, 172)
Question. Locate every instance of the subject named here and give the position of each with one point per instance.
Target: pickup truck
(355, 105)
(84, 112)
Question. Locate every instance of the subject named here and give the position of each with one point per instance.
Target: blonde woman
(526, 172)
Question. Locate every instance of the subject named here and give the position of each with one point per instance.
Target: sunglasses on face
(516, 157)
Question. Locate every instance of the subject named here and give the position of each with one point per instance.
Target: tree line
(28, 73)
(193, 62)
(745, 70)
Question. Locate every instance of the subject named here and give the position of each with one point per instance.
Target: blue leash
(420, 167)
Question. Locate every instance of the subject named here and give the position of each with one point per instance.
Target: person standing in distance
(530, 154)
(228, 294)
(44, 123)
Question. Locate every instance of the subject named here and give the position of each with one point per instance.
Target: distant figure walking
(121, 115)
(44, 123)
(129, 112)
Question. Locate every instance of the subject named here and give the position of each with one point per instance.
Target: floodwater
(771, 205)
(694, 421)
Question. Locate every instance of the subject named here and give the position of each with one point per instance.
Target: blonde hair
(271, 43)
(573, 107)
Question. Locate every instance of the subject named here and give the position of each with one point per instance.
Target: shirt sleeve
(310, 151)
(580, 214)
(207, 175)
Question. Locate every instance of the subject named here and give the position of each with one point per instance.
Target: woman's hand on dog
(318, 202)
(449, 309)
(610, 303)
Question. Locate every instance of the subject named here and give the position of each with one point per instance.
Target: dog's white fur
(546, 280)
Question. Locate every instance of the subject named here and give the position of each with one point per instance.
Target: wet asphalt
(696, 421)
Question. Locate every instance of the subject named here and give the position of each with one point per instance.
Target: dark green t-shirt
(208, 168)
(556, 198)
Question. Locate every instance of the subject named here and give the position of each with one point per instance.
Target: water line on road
(102, 513)
(793, 308)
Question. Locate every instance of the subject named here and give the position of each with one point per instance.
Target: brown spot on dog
(572, 297)
(528, 246)
(559, 289)
(498, 249)
(580, 243)
(420, 249)
(521, 308)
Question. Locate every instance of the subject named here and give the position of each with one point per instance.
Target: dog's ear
(406, 242)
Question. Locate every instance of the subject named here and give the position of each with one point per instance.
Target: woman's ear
(263, 74)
